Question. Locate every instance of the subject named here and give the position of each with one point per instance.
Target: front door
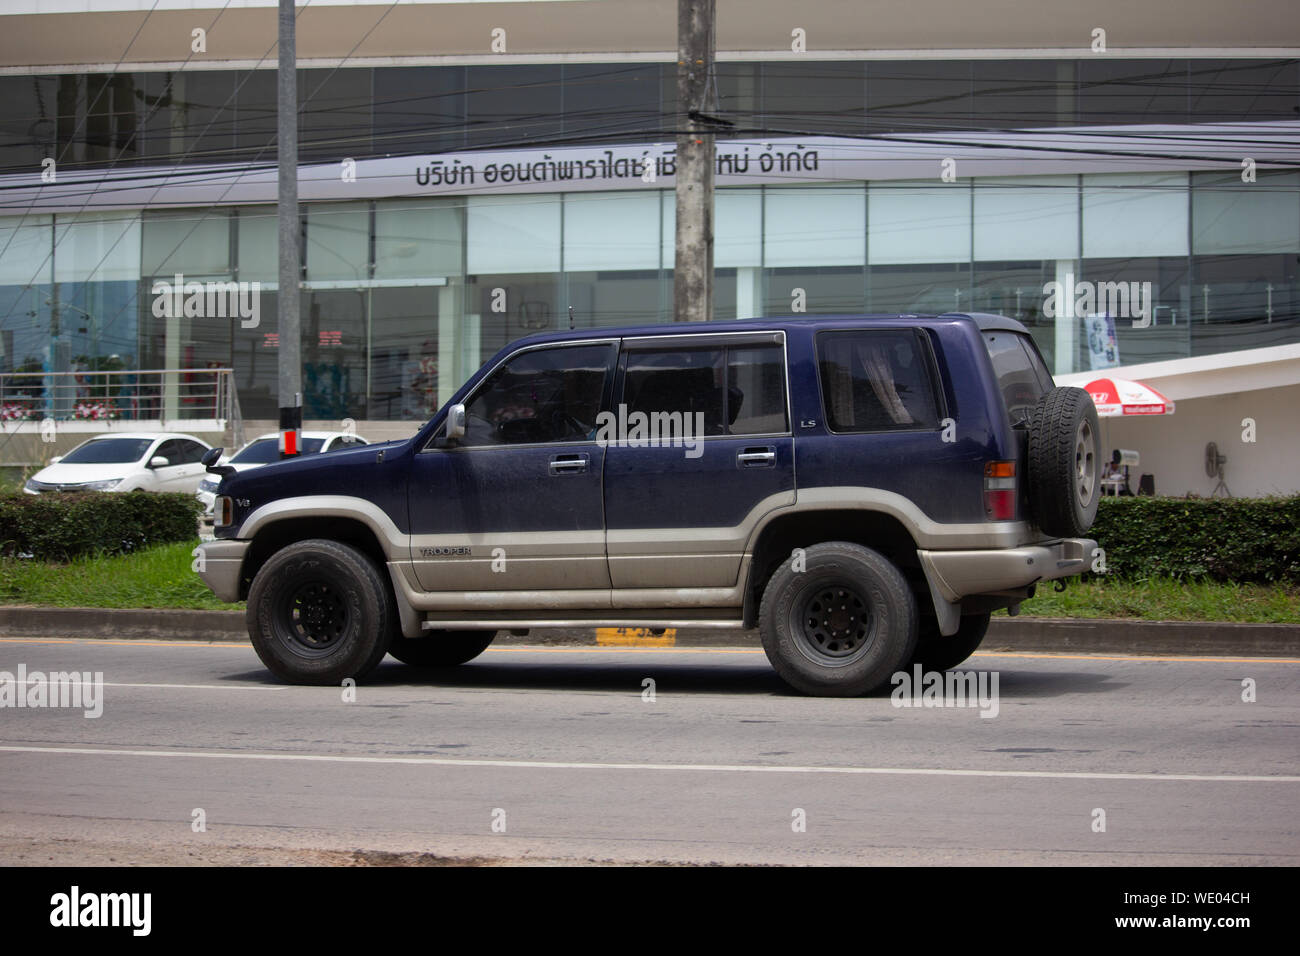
(516, 504)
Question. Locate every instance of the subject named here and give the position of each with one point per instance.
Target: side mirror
(159, 461)
(210, 460)
(455, 424)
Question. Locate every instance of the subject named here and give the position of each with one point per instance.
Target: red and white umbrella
(1118, 396)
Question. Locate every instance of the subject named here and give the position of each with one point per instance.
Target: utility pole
(287, 216)
(693, 267)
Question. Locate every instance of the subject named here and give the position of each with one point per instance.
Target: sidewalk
(1160, 638)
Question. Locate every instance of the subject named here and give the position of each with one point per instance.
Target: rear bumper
(220, 564)
(959, 574)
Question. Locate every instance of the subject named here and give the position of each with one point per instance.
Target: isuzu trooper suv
(865, 490)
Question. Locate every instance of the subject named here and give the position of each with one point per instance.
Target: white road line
(32, 680)
(712, 768)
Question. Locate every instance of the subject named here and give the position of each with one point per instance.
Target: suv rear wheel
(1064, 463)
(319, 612)
(841, 626)
(934, 652)
(441, 648)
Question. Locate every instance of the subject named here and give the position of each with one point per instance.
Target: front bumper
(959, 574)
(220, 564)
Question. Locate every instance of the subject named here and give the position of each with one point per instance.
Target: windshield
(266, 450)
(1022, 377)
(108, 451)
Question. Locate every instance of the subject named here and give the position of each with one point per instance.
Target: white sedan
(125, 461)
(265, 449)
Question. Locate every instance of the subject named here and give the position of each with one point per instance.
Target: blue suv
(865, 490)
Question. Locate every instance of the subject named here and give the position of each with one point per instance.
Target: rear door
(700, 449)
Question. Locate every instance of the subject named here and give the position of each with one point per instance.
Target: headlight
(207, 484)
(34, 485)
(107, 484)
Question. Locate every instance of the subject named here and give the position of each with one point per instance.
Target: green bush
(1220, 539)
(59, 527)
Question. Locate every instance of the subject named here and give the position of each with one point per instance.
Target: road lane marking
(609, 649)
(708, 768)
(33, 680)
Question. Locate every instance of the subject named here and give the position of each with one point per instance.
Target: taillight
(1000, 490)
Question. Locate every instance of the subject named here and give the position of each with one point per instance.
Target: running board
(504, 623)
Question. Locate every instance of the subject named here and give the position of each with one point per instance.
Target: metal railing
(143, 395)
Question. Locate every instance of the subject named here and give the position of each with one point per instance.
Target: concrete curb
(1161, 638)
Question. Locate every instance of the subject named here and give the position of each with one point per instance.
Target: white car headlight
(207, 484)
(107, 484)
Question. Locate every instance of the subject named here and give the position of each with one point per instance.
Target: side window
(738, 391)
(677, 382)
(191, 452)
(756, 381)
(171, 450)
(876, 380)
(541, 396)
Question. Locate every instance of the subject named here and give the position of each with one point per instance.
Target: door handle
(756, 458)
(569, 465)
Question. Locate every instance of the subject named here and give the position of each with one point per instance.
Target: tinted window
(1022, 377)
(685, 382)
(877, 380)
(108, 451)
(756, 383)
(266, 450)
(546, 395)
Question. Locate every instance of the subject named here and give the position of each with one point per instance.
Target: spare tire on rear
(1064, 478)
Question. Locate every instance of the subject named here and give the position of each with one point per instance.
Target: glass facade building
(403, 297)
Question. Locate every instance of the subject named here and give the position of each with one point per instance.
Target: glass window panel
(1026, 217)
(417, 239)
(756, 390)
(737, 228)
(1233, 217)
(678, 382)
(513, 105)
(27, 249)
(259, 244)
(99, 246)
(338, 241)
(1134, 214)
(193, 242)
(419, 108)
(1115, 92)
(877, 380)
(916, 95)
(611, 230)
(815, 226)
(1229, 91)
(913, 221)
(508, 234)
(547, 395)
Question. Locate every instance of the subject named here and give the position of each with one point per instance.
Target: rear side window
(1022, 377)
(877, 380)
(739, 390)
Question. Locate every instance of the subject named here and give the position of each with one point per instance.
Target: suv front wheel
(318, 612)
(838, 620)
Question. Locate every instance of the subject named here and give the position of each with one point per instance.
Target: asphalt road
(564, 752)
